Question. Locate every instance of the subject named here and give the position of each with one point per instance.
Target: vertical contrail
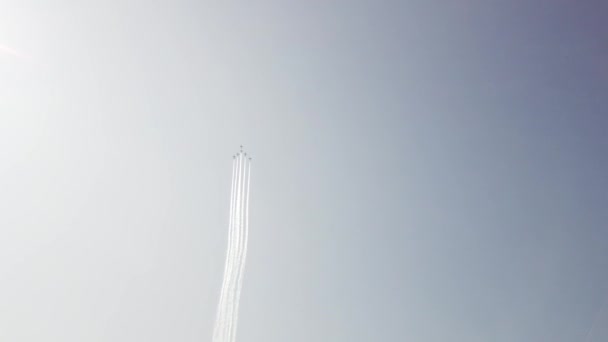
(235, 252)
(227, 312)
(243, 258)
(220, 319)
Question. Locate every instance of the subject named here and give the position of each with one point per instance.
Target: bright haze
(425, 171)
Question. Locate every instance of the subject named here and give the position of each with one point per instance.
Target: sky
(422, 170)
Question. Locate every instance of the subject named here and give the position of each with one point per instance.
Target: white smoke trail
(234, 257)
(220, 319)
(230, 259)
(227, 314)
(243, 259)
(225, 311)
(238, 237)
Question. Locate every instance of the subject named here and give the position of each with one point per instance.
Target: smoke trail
(238, 256)
(245, 228)
(220, 319)
(230, 260)
(240, 241)
(227, 312)
(234, 257)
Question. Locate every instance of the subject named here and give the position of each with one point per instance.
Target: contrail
(242, 241)
(220, 319)
(233, 266)
(238, 268)
(227, 312)
(238, 257)
(235, 251)
(244, 249)
(226, 300)
(220, 314)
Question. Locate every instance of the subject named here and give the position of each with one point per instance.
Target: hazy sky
(424, 171)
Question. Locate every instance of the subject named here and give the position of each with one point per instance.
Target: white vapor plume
(234, 242)
(221, 315)
(227, 312)
(244, 239)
